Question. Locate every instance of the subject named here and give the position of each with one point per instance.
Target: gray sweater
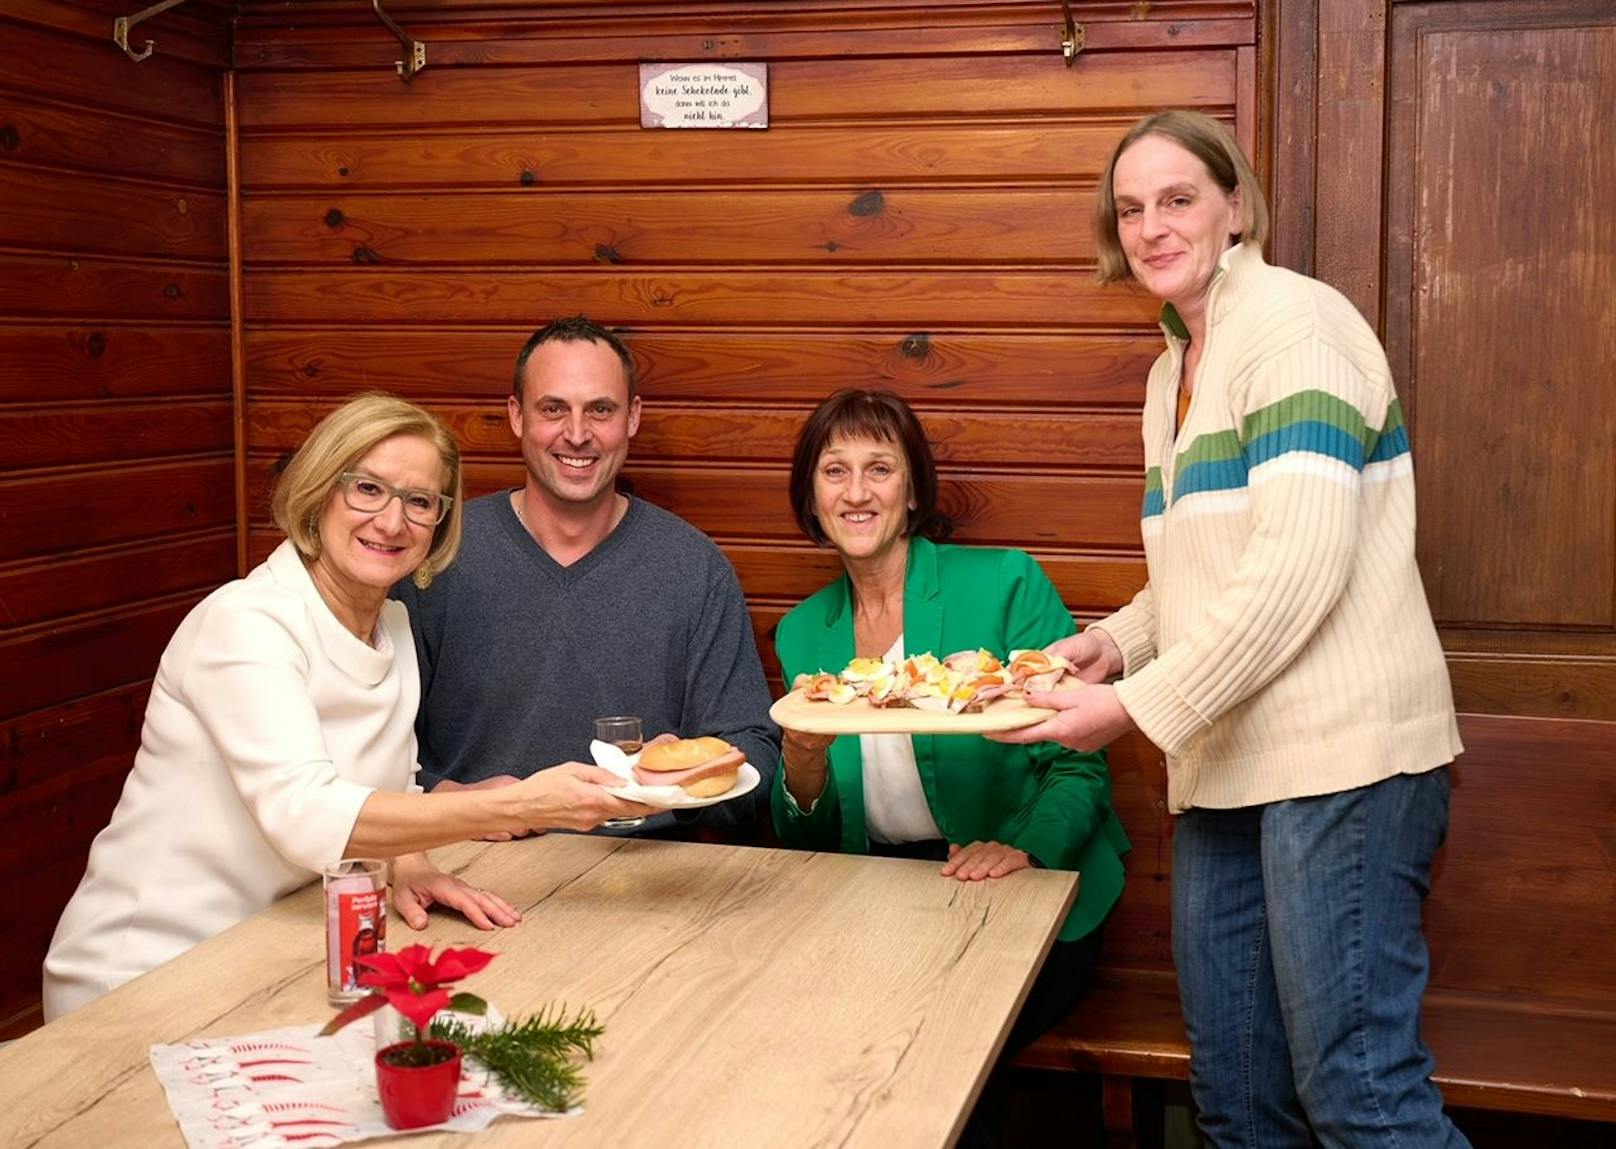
(519, 654)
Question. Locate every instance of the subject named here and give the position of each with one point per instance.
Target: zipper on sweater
(1176, 432)
(1170, 433)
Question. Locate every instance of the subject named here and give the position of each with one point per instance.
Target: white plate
(609, 757)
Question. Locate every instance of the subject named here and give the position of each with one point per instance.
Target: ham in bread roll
(704, 767)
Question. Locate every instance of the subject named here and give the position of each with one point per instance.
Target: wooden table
(750, 997)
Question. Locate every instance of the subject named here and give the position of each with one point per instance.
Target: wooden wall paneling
(115, 408)
(238, 353)
(89, 70)
(62, 511)
(1045, 368)
(95, 652)
(599, 94)
(750, 225)
(629, 297)
(104, 432)
(60, 775)
(1349, 149)
(1538, 938)
(108, 215)
(38, 590)
(86, 288)
(1496, 312)
(326, 38)
(194, 33)
(1293, 130)
(107, 142)
(99, 361)
(1136, 933)
(36, 748)
(915, 154)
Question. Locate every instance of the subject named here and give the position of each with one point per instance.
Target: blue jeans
(1296, 932)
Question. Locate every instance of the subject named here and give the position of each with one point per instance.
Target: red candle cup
(418, 1083)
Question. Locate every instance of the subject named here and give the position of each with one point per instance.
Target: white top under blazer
(269, 724)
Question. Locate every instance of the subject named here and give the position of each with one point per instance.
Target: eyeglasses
(369, 494)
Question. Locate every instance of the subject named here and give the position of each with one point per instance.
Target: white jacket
(269, 724)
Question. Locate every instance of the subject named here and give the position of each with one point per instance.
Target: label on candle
(356, 926)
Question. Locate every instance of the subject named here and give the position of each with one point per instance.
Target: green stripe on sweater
(1307, 407)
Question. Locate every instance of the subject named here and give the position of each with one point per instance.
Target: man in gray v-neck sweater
(571, 601)
(520, 654)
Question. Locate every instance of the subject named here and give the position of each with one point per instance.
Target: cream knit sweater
(1283, 646)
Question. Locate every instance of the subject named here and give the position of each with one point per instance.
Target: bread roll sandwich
(702, 767)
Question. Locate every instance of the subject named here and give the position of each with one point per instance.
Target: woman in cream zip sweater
(1284, 658)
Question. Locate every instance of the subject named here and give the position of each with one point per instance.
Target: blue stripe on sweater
(1390, 445)
(1312, 437)
(1213, 475)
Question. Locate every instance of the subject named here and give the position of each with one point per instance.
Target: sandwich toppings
(962, 683)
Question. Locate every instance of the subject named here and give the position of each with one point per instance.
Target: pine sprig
(532, 1058)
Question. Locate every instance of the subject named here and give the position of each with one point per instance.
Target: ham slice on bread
(702, 767)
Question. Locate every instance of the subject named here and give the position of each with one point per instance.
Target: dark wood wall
(117, 506)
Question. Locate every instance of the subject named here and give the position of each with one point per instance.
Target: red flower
(412, 983)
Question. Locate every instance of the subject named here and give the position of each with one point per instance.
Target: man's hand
(982, 860)
(1087, 718)
(418, 886)
(1094, 655)
(572, 796)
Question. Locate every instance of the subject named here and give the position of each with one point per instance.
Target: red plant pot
(414, 1095)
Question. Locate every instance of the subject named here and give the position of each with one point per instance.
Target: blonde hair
(340, 440)
(1206, 140)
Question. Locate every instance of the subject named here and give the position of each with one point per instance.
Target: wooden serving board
(794, 712)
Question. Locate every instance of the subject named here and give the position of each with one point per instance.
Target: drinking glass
(625, 732)
(355, 923)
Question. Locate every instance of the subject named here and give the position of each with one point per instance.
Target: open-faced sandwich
(962, 683)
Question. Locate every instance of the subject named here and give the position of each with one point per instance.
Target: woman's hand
(571, 796)
(1088, 718)
(983, 860)
(418, 886)
(804, 757)
(1094, 655)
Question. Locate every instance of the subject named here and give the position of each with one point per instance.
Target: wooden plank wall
(117, 502)
(916, 216)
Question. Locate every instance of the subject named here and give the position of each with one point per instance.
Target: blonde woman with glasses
(279, 736)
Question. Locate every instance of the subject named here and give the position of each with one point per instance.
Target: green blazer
(1051, 802)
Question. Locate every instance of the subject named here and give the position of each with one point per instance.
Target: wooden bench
(1521, 1007)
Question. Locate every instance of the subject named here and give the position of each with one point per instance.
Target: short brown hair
(1206, 140)
(574, 329)
(854, 412)
(338, 442)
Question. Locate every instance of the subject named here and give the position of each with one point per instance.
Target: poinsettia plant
(412, 981)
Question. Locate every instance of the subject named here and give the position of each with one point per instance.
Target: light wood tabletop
(750, 997)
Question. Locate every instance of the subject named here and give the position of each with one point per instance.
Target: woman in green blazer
(863, 481)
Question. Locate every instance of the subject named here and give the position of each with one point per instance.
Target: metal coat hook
(1076, 35)
(414, 51)
(121, 26)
